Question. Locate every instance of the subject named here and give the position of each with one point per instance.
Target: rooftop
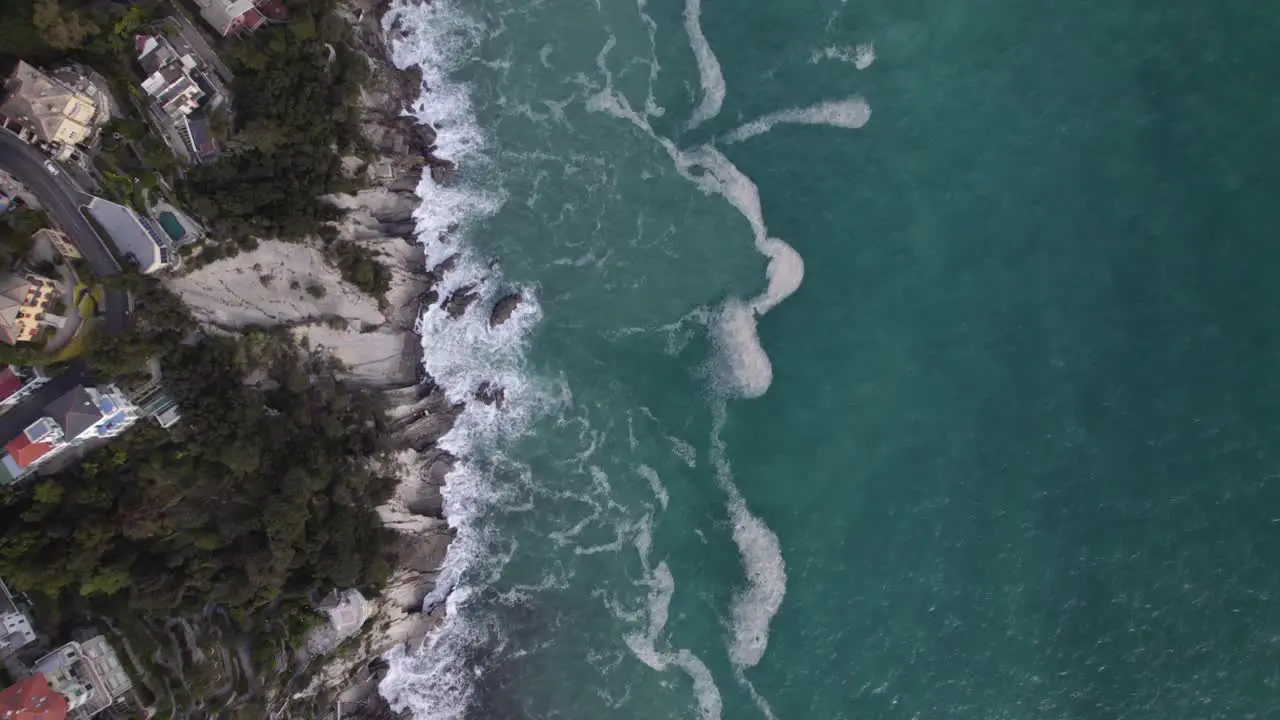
(75, 411)
(44, 102)
(32, 699)
(10, 383)
(6, 601)
(24, 451)
(15, 292)
(230, 16)
(133, 235)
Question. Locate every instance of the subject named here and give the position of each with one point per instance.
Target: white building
(230, 17)
(17, 632)
(40, 442)
(169, 82)
(88, 675)
(17, 384)
(87, 413)
(136, 237)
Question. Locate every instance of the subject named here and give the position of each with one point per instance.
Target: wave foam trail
(762, 562)
(708, 66)
(860, 55)
(743, 366)
(662, 587)
(849, 113)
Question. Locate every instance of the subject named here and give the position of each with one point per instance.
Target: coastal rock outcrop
(491, 394)
(377, 344)
(443, 172)
(503, 309)
(459, 300)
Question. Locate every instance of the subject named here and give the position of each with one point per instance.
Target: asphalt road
(62, 199)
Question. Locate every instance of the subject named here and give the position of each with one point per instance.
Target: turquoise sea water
(1007, 448)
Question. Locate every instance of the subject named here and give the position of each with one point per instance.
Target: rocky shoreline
(377, 344)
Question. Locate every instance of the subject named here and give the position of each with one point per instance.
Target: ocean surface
(879, 359)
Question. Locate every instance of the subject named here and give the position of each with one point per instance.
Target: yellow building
(24, 299)
(59, 241)
(50, 108)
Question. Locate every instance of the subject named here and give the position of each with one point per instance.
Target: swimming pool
(171, 226)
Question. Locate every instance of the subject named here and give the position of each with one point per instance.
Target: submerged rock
(503, 309)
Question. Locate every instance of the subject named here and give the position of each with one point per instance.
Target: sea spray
(460, 353)
(440, 680)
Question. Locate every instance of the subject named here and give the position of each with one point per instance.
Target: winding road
(62, 199)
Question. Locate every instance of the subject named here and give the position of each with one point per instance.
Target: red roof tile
(32, 699)
(24, 452)
(9, 383)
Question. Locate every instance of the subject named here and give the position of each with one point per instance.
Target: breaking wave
(459, 355)
(439, 680)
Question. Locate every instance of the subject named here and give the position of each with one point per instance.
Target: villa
(231, 17)
(78, 416)
(23, 301)
(171, 79)
(54, 111)
(90, 413)
(136, 237)
(88, 675)
(39, 443)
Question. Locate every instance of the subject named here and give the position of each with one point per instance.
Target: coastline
(379, 346)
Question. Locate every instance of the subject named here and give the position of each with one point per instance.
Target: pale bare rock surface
(256, 288)
(372, 358)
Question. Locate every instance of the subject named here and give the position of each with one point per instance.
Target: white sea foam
(762, 562)
(743, 366)
(438, 682)
(459, 354)
(850, 113)
(861, 56)
(662, 586)
(708, 66)
(655, 484)
(684, 451)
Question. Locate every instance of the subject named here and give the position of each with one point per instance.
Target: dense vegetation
(295, 116)
(358, 266)
(16, 229)
(262, 493)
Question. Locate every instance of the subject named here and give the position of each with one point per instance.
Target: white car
(53, 169)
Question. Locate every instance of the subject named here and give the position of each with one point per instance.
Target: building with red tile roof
(230, 17)
(10, 383)
(24, 452)
(32, 699)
